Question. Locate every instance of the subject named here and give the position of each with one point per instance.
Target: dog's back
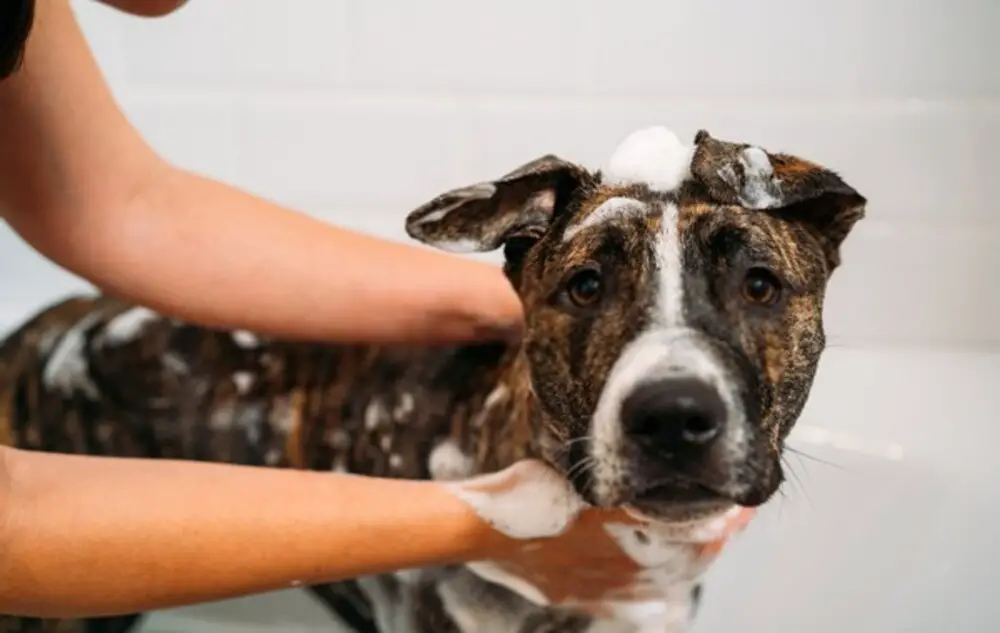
(100, 376)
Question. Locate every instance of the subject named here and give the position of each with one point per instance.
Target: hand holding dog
(545, 531)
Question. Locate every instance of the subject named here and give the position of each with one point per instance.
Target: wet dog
(673, 306)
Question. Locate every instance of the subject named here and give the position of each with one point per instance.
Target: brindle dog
(673, 304)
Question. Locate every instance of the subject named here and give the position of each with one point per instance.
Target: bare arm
(89, 536)
(80, 185)
(86, 536)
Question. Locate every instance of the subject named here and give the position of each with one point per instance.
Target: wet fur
(173, 390)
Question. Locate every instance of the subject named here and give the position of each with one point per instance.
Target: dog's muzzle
(671, 425)
(681, 432)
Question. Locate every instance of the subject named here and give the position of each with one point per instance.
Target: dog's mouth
(682, 495)
(678, 501)
(672, 493)
(669, 494)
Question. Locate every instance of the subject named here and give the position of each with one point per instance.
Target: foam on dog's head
(653, 157)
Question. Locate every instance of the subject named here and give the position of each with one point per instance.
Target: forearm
(209, 253)
(72, 543)
(84, 189)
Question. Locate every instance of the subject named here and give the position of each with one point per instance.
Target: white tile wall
(359, 111)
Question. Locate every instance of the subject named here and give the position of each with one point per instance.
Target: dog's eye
(761, 287)
(584, 288)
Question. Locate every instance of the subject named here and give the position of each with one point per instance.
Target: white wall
(359, 111)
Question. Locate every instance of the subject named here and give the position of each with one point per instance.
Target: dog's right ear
(485, 216)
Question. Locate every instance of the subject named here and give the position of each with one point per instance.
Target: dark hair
(16, 17)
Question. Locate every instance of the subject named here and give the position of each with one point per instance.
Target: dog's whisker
(567, 446)
(798, 482)
(579, 468)
(783, 497)
(803, 455)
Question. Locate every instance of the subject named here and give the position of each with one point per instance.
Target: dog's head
(673, 308)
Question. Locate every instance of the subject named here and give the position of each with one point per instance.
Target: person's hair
(16, 17)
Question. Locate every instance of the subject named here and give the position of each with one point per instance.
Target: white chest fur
(657, 599)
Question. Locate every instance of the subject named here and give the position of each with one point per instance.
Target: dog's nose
(674, 412)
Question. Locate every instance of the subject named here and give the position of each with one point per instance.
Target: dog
(673, 303)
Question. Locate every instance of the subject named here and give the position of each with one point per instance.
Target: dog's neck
(502, 426)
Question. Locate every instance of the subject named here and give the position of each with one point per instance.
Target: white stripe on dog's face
(669, 311)
(668, 348)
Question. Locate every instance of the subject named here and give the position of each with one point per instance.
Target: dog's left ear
(485, 216)
(788, 186)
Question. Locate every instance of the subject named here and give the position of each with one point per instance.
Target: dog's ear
(485, 216)
(791, 187)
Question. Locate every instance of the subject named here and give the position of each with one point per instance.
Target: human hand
(570, 551)
(600, 557)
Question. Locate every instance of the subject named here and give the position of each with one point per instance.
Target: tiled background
(359, 111)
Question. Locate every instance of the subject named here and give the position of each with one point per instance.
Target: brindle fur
(174, 390)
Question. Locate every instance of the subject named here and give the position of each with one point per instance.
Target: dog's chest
(637, 577)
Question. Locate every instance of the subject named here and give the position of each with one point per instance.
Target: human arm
(87, 191)
(75, 536)
(72, 544)
(89, 536)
